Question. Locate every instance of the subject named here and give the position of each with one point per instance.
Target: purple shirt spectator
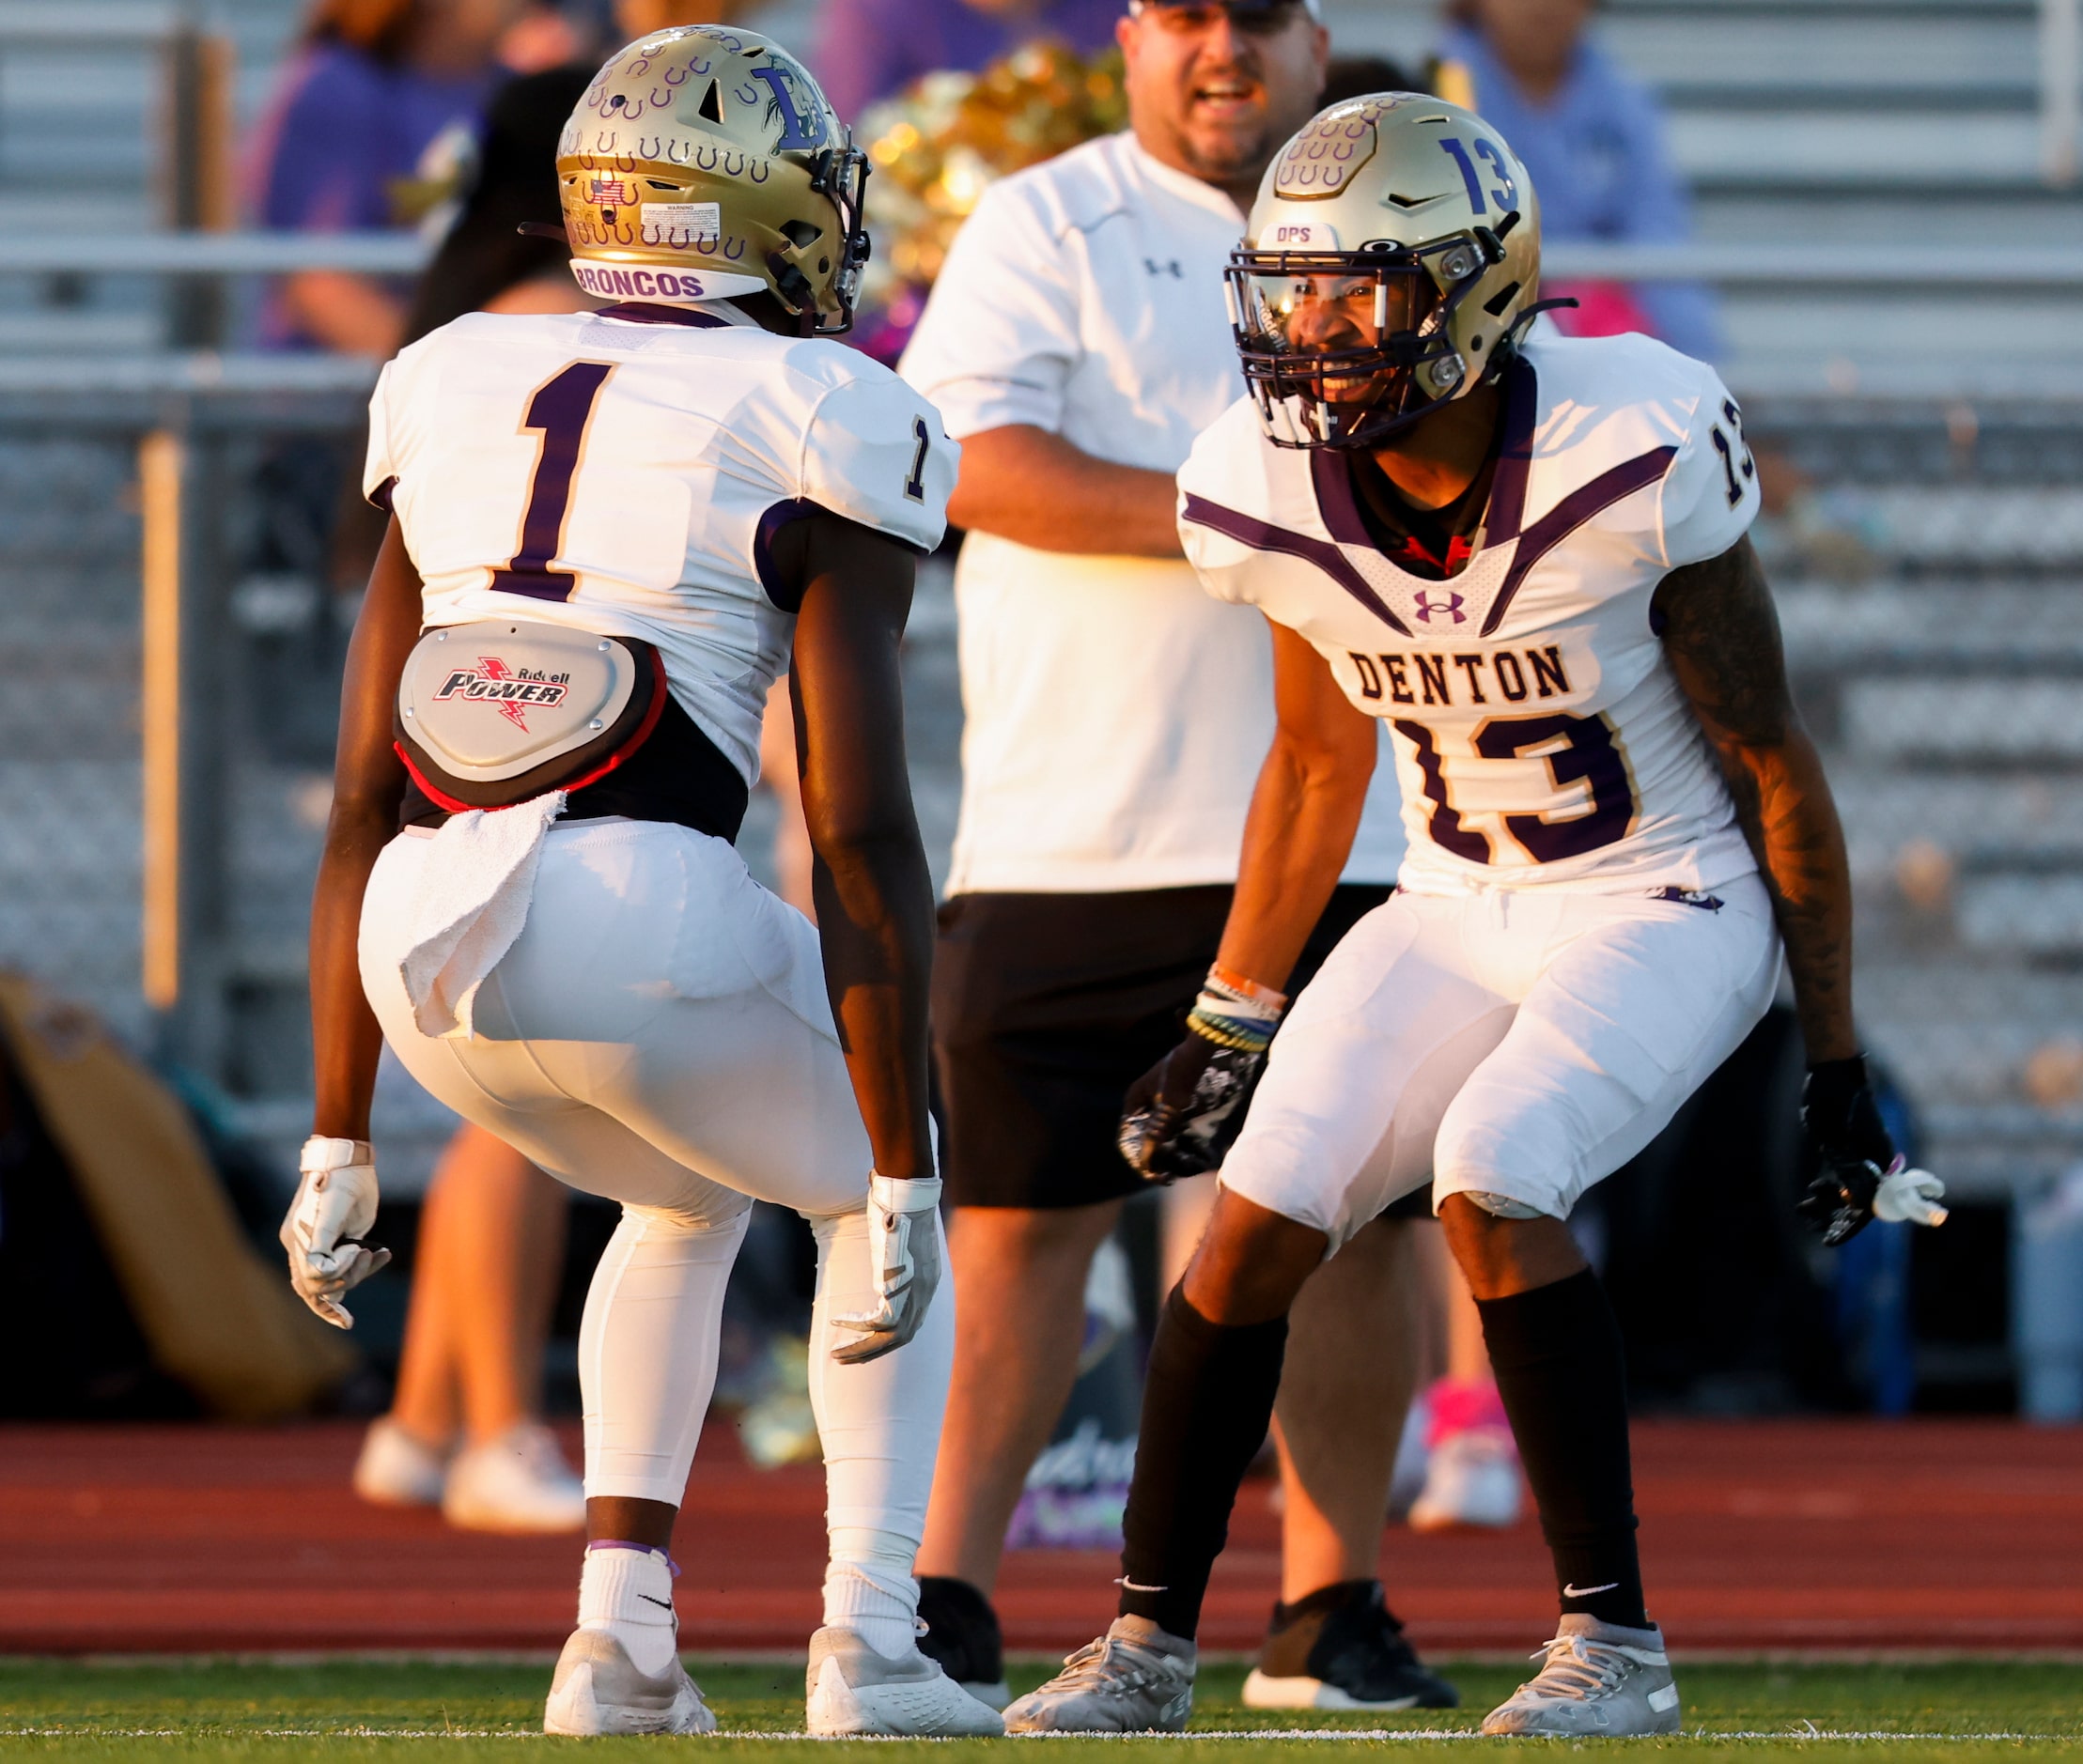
(1602, 169)
(343, 132)
(870, 49)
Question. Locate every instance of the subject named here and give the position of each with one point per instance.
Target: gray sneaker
(598, 1690)
(1135, 1679)
(1598, 1679)
(852, 1689)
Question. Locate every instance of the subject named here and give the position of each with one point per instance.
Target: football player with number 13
(609, 532)
(1529, 556)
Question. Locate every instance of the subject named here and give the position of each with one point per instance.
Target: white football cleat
(398, 1468)
(1473, 1479)
(852, 1689)
(1596, 1680)
(1135, 1679)
(518, 1482)
(598, 1691)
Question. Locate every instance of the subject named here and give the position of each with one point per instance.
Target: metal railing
(191, 122)
(1909, 264)
(2060, 91)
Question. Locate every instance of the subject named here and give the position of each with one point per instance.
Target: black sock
(1557, 1355)
(961, 1630)
(1208, 1400)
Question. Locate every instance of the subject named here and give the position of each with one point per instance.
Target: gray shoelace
(1577, 1670)
(1107, 1664)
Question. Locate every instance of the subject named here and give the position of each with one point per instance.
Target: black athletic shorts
(1046, 1007)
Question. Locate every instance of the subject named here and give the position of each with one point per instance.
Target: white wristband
(896, 1195)
(323, 1153)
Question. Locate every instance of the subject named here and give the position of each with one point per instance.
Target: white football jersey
(1541, 737)
(626, 475)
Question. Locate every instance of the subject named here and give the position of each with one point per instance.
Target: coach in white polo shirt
(1117, 715)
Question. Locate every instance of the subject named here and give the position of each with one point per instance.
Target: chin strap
(1520, 325)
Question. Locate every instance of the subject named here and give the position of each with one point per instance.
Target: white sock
(869, 1590)
(880, 1428)
(629, 1592)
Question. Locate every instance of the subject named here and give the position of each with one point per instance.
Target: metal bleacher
(1924, 441)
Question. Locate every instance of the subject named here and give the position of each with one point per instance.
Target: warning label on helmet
(684, 224)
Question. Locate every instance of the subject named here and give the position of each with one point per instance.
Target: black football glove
(1184, 1113)
(1854, 1173)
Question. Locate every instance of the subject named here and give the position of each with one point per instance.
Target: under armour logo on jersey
(1170, 266)
(1450, 606)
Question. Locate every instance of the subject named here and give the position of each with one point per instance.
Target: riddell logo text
(506, 690)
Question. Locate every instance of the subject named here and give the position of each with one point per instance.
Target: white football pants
(1523, 1043)
(660, 1034)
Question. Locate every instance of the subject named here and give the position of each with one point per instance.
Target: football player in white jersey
(609, 531)
(1529, 556)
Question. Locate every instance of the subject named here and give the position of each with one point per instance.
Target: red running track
(1801, 1535)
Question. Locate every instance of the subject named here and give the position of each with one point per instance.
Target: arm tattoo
(1722, 637)
(1721, 632)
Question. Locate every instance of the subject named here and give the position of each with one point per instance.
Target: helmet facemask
(841, 174)
(1419, 218)
(1344, 349)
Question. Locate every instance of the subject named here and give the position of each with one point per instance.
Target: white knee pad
(647, 1347)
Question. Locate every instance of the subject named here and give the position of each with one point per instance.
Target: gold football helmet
(703, 162)
(1391, 260)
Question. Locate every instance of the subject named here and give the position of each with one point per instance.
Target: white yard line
(1806, 1733)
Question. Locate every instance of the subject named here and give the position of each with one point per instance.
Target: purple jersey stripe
(1264, 536)
(1332, 474)
(646, 313)
(787, 596)
(1571, 512)
(1514, 454)
(1333, 480)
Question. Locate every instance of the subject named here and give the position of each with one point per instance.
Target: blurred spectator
(485, 1275)
(370, 129)
(1593, 139)
(561, 33)
(872, 49)
(640, 18)
(1356, 76)
(491, 1231)
(486, 263)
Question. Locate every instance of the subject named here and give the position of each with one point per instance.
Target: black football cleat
(962, 1633)
(1342, 1649)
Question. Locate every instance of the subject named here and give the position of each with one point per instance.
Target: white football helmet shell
(1404, 188)
(703, 162)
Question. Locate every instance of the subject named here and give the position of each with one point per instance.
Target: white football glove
(1909, 1196)
(903, 1249)
(336, 1205)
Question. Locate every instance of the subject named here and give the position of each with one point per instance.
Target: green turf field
(352, 1710)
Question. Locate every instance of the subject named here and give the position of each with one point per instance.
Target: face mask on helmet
(1344, 349)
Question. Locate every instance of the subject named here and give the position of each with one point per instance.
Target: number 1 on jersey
(560, 412)
(914, 486)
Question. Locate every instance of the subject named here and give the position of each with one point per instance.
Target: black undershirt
(678, 775)
(1434, 543)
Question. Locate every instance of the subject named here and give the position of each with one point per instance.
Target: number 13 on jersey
(1579, 752)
